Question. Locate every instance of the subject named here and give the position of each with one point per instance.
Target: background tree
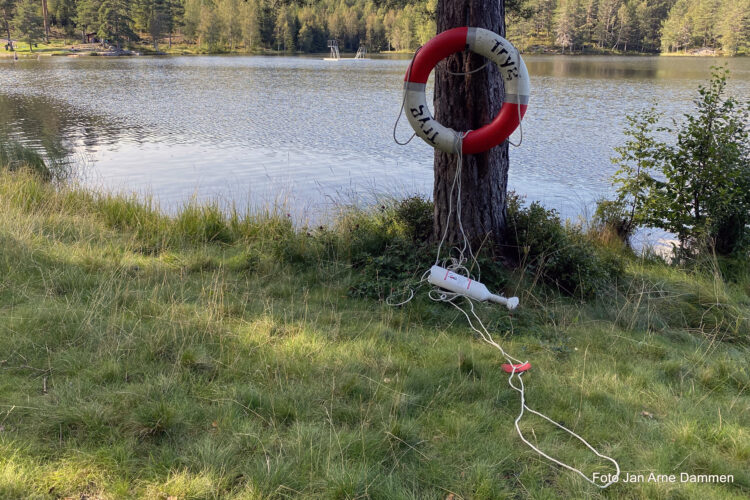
(7, 7)
(45, 16)
(733, 25)
(115, 22)
(231, 21)
(28, 21)
(567, 23)
(468, 102)
(606, 22)
(175, 10)
(62, 14)
(577, 25)
(625, 15)
(250, 24)
(191, 19)
(284, 30)
(87, 17)
(210, 28)
(152, 16)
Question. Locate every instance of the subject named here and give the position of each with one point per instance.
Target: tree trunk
(467, 103)
(7, 29)
(45, 14)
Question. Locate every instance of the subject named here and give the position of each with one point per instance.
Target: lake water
(303, 131)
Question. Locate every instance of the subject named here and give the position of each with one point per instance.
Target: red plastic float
(522, 367)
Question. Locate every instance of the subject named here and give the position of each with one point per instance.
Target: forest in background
(566, 26)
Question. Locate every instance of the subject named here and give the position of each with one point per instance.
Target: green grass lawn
(54, 46)
(204, 356)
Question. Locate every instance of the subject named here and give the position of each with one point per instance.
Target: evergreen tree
(285, 30)
(115, 22)
(567, 24)
(267, 22)
(174, 13)
(677, 29)
(63, 13)
(7, 7)
(625, 15)
(191, 19)
(643, 25)
(733, 27)
(606, 21)
(28, 21)
(153, 17)
(87, 17)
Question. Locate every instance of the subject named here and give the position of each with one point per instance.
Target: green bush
(393, 246)
(415, 215)
(387, 248)
(699, 188)
(561, 255)
(612, 217)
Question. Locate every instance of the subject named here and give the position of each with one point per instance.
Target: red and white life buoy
(493, 47)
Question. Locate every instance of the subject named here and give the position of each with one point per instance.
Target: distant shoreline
(71, 48)
(136, 52)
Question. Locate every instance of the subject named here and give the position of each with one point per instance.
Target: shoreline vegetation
(228, 26)
(233, 355)
(72, 47)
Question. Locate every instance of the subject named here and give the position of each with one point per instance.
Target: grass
(212, 356)
(60, 46)
(56, 46)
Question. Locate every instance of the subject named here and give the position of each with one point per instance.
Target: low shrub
(388, 247)
(562, 255)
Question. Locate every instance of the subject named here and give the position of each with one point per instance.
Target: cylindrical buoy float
(495, 48)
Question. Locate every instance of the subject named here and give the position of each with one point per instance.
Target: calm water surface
(303, 131)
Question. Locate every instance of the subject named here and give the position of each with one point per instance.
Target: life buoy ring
(493, 47)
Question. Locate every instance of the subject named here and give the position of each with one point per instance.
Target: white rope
(437, 294)
(518, 107)
(480, 68)
(403, 103)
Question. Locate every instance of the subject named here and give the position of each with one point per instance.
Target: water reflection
(630, 67)
(53, 127)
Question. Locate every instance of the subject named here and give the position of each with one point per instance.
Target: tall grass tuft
(15, 156)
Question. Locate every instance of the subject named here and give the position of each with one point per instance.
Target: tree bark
(45, 14)
(7, 28)
(465, 103)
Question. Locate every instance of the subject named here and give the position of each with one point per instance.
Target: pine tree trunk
(45, 14)
(7, 29)
(467, 103)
